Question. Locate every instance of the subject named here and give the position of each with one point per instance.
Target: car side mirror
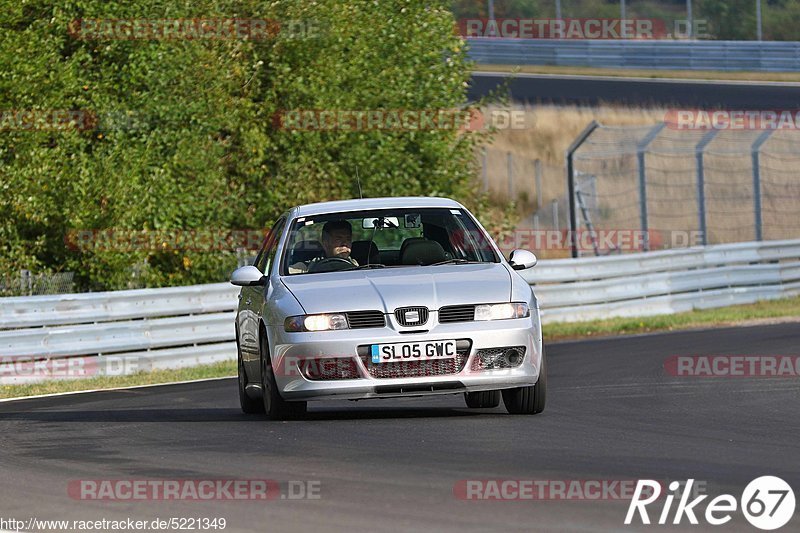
(248, 276)
(522, 259)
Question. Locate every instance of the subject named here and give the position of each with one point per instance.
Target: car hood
(390, 288)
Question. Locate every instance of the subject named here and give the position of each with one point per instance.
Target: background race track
(390, 465)
(596, 90)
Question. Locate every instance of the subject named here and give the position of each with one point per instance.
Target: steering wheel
(330, 264)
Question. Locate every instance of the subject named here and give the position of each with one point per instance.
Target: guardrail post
(573, 218)
(650, 137)
(756, 155)
(701, 185)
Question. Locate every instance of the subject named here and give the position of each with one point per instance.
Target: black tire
(528, 400)
(273, 403)
(483, 399)
(249, 405)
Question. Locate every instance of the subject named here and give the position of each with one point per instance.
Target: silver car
(386, 297)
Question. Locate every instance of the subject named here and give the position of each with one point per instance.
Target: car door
(253, 299)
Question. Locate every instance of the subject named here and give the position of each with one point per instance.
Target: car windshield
(384, 238)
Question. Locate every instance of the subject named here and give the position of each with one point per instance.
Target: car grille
(400, 315)
(494, 358)
(414, 369)
(457, 313)
(365, 319)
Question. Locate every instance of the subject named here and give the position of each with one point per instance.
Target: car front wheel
(482, 400)
(249, 405)
(528, 400)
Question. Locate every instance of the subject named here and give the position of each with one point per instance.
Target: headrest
(422, 253)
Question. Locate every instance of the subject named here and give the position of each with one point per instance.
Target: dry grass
(548, 132)
(671, 167)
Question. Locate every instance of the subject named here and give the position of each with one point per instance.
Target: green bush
(185, 138)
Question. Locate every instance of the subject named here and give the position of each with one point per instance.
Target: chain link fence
(685, 187)
(29, 284)
(537, 187)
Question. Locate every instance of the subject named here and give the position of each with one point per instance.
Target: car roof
(374, 203)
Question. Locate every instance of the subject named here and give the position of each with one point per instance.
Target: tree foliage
(185, 138)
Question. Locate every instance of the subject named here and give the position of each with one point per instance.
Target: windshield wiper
(457, 261)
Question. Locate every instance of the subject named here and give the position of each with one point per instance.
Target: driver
(337, 241)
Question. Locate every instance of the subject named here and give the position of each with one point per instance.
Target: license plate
(413, 351)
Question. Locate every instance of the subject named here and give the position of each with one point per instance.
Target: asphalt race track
(594, 90)
(391, 465)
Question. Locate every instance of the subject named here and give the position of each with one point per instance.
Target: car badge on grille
(412, 316)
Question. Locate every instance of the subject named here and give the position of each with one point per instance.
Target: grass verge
(216, 370)
(764, 311)
(724, 316)
(714, 75)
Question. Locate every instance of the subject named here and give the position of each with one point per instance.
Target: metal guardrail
(666, 282)
(675, 55)
(188, 326)
(54, 310)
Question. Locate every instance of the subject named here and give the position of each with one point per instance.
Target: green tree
(186, 139)
(729, 19)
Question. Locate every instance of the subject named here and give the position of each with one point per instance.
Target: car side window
(267, 254)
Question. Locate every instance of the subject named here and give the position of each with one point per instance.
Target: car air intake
(494, 358)
(457, 313)
(365, 319)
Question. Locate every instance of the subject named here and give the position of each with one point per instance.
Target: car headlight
(315, 322)
(501, 311)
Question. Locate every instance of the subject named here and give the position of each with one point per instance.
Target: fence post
(25, 282)
(650, 137)
(573, 219)
(701, 186)
(537, 166)
(555, 215)
(756, 155)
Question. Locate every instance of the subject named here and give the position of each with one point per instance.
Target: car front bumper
(290, 349)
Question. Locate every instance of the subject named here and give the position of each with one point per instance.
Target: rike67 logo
(767, 503)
